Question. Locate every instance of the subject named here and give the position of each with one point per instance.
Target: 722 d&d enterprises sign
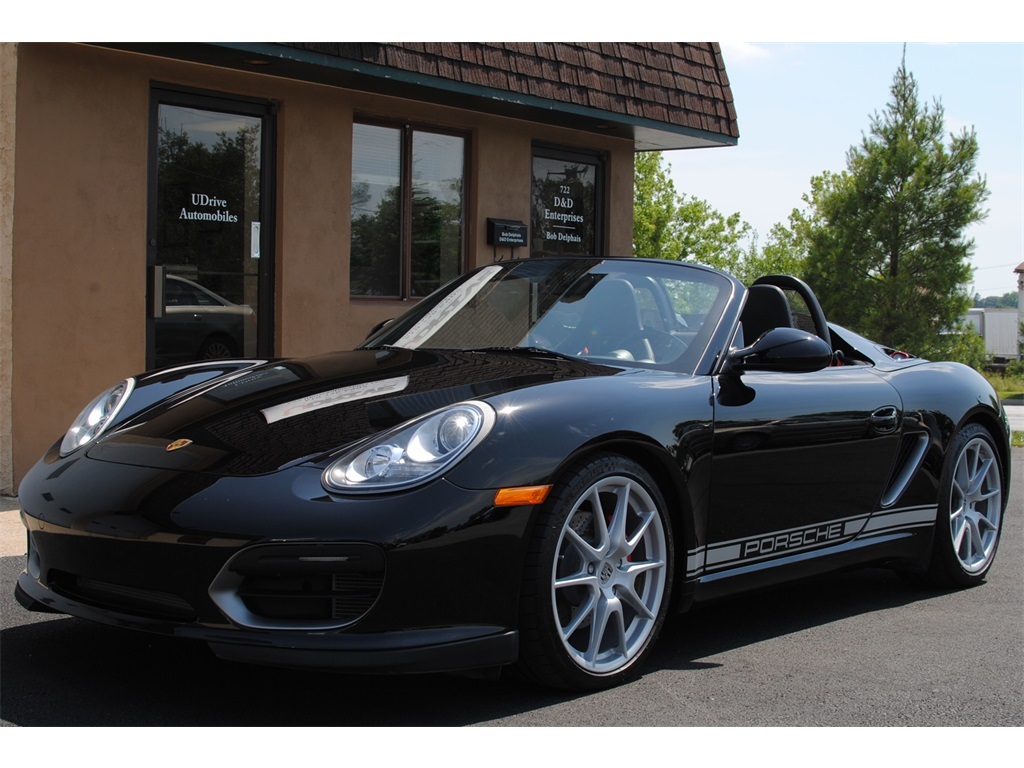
(564, 202)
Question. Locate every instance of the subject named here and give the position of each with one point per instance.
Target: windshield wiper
(532, 351)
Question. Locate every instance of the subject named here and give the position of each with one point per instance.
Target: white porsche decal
(738, 552)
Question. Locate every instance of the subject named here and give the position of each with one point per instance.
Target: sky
(801, 106)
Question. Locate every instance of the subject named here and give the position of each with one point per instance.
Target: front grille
(300, 586)
(310, 596)
(121, 597)
(354, 594)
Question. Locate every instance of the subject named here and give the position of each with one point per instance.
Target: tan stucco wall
(8, 89)
(314, 180)
(79, 234)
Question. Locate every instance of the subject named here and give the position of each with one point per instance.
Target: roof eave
(272, 60)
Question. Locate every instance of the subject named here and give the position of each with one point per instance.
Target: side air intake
(911, 453)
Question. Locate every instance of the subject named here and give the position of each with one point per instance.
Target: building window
(567, 205)
(408, 210)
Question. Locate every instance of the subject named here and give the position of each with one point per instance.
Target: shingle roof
(671, 85)
(660, 95)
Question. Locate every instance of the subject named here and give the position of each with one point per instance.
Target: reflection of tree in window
(387, 259)
(213, 253)
(375, 259)
(374, 269)
(436, 242)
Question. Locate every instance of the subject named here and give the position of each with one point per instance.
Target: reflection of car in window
(199, 324)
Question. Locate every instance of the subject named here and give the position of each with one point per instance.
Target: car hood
(275, 414)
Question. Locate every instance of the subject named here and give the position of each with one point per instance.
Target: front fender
(663, 422)
(538, 430)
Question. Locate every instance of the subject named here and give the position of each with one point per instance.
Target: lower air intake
(121, 597)
(300, 586)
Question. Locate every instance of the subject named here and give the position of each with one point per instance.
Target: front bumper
(445, 649)
(272, 570)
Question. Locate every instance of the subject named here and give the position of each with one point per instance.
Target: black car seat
(610, 324)
(766, 308)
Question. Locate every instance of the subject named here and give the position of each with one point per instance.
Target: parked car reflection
(199, 324)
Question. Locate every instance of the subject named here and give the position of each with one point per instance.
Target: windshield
(634, 312)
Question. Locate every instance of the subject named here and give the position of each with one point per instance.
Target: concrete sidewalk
(1015, 414)
(12, 532)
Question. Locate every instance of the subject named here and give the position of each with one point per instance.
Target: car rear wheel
(598, 577)
(970, 510)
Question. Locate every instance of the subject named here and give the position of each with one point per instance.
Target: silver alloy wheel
(975, 505)
(608, 579)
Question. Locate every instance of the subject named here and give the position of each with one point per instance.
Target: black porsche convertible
(532, 467)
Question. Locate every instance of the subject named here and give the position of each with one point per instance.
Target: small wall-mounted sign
(506, 232)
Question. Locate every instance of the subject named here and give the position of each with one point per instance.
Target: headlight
(412, 453)
(96, 417)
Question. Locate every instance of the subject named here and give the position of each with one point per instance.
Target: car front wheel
(598, 577)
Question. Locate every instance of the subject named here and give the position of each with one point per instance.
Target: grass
(1009, 388)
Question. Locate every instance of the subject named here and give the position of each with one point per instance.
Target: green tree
(1009, 299)
(707, 236)
(887, 253)
(655, 201)
(783, 254)
(667, 225)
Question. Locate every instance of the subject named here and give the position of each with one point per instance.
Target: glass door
(210, 244)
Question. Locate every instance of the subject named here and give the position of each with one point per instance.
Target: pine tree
(887, 250)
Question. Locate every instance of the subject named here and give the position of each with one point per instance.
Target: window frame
(405, 180)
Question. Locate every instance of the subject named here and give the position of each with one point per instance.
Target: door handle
(157, 280)
(885, 420)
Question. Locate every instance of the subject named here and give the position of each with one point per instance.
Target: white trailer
(1000, 328)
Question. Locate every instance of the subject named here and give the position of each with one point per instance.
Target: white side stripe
(726, 554)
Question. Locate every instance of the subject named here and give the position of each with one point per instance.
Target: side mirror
(781, 349)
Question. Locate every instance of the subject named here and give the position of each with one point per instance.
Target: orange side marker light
(523, 496)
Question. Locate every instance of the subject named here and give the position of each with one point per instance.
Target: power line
(996, 266)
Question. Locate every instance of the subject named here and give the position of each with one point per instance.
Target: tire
(216, 348)
(596, 587)
(970, 517)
